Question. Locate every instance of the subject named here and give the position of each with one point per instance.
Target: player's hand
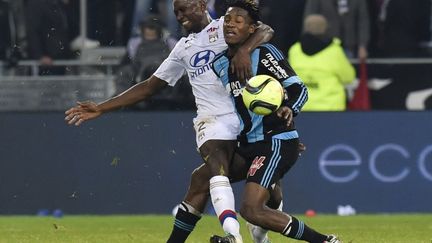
(82, 112)
(241, 65)
(286, 113)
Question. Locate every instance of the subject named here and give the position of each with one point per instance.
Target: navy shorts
(269, 160)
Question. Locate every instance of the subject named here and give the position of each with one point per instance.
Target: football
(263, 94)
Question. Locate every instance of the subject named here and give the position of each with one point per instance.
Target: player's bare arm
(84, 111)
(241, 62)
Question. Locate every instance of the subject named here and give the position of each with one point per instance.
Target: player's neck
(232, 49)
(206, 20)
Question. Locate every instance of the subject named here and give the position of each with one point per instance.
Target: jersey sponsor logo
(202, 61)
(234, 88)
(212, 29)
(200, 71)
(273, 66)
(257, 163)
(213, 34)
(202, 58)
(213, 37)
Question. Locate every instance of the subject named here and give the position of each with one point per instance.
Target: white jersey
(194, 55)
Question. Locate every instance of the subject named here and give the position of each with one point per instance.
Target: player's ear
(252, 28)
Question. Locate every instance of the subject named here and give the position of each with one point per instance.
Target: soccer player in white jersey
(216, 123)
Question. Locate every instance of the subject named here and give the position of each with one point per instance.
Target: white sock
(258, 234)
(222, 198)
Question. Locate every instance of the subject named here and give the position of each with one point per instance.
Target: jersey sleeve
(273, 63)
(220, 67)
(172, 68)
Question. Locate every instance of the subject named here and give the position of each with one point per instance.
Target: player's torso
(253, 127)
(197, 55)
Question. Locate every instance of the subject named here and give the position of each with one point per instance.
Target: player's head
(191, 14)
(240, 21)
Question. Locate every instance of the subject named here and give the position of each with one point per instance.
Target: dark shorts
(269, 160)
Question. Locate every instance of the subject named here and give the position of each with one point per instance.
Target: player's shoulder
(216, 25)
(179, 45)
(219, 63)
(220, 19)
(270, 50)
(182, 46)
(220, 56)
(182, 42)
(268, 47)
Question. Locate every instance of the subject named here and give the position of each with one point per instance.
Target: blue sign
(373, 161)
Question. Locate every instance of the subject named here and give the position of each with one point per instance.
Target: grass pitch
(394, 228)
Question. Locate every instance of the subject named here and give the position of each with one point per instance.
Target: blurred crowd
(47, 30)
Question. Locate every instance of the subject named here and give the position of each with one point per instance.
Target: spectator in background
(286, 18)
(164, 8)
(48, 34)
(144, 55)
(321, 63)
(402, 26)
(9, 37)
(348, 20)
(6, 38)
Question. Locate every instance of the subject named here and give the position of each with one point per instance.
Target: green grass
(394, 228)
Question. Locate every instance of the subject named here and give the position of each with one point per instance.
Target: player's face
(238, 26)
(191, 14)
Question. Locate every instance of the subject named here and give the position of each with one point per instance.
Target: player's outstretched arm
(241, 62)
(84, 111)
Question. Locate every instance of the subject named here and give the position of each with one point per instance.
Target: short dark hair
(249, 5)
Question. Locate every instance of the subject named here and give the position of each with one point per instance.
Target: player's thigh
(271, 160)
(254, 198)
(222, 127)
(238, 168)
(217, 154)
(216, 136)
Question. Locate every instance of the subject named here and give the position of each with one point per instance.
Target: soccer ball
(263, 94)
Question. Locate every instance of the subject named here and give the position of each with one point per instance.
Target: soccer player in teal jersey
(269, 142)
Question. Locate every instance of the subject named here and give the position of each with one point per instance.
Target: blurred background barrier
(140, 162)
(400, 83)
(394, 84)
(52, 93)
